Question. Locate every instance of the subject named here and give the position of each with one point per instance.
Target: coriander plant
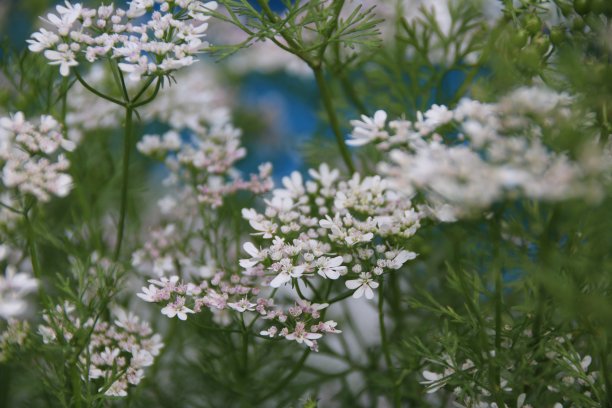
(333, 203)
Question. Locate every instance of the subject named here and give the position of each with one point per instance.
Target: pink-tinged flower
(242, 305)
(363, 285)
(328, 327)
(302, 336)
(177, 308)
(330, 268)
(271, 332)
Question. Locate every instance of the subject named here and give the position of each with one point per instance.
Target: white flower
(177, 308)
(149, 294)
(324, 175)
(243, 305)
(14, 287)
(401, 258)
(286, 274)
(42, 40)
(368, 129)
(363, 285)
(117, 389)
(330, 268)
(65, 59)
(256, 256)
(302, 336)
(434, 381)
(271, 332)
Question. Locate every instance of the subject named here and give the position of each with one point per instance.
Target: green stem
(96, 92)
(124, 187)
(498, 308)
(333, 118)
(245, 345)
(381, 324)
(32, 247)
(499, 286)
(385, 342)
(150, 98)
(12, 209)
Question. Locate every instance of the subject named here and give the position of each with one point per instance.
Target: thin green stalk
(96, 92)
(499, 285)
(245, 344)
(498, 308)
(124, 187)
(12, 209)
(150, 98)
(381, 325)
(333, 118)
(64, 111)
(142, 90)
(384, 342)
(32, 248)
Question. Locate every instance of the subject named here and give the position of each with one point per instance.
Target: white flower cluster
(116, 353)
(31, 156)
(328, 228)
(14, 287)
(206, 162)
(168, 251)
(477, 154)
(224, 293)
(151, 37)
(219, 293)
